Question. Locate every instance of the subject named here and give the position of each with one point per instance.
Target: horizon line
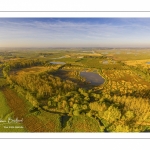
(79, 47)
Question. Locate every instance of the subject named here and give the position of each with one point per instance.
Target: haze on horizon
(75, 32)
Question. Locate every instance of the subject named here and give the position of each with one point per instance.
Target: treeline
(46, 54)
(23, 63)
(42, 85)
(58, 95)
(18, 64)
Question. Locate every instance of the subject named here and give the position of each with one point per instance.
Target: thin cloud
(65, 31)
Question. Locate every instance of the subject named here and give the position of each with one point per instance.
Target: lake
(57, 63)
(92, 78)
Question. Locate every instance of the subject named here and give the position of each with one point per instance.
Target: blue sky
(74, 32)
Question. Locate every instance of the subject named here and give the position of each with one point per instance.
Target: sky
(75, 32)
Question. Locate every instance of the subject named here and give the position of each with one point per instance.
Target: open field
(113, 96)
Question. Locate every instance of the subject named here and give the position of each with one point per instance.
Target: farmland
(7, 118)
(45, 88)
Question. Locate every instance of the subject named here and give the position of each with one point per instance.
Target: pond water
(92, 78)
(148, 62)
(57, 63)
(105, 62)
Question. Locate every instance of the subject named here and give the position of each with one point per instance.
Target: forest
(58, 90)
